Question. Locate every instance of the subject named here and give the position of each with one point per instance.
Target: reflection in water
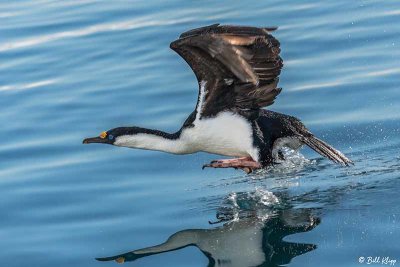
(255, 240)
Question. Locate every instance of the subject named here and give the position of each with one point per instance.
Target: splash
(294, 162)
(258, 203)
(264, 197)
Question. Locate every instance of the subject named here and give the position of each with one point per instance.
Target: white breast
(226, 134)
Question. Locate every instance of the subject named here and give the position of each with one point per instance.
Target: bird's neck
(154, 140)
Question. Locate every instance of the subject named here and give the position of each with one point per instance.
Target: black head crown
(110, 136)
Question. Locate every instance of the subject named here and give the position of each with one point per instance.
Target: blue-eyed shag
(237, 69)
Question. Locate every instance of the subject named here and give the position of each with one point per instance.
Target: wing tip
(198, 30)
(235, 29)
(173, 45)
(270, 29)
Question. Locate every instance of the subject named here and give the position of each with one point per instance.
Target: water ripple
(98, 28)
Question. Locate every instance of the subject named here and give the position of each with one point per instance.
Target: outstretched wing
(237, 67)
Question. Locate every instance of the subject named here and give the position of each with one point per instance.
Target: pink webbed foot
(246, 164)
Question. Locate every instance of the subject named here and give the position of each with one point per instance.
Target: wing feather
(239, 64)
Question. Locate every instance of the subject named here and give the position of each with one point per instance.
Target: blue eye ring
(110, 137)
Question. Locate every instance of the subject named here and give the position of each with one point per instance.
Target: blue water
(70, 70)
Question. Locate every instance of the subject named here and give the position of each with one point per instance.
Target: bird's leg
(247, 164)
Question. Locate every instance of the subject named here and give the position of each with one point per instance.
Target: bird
(237, 70)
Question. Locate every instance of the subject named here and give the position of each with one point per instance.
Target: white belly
(226, 134)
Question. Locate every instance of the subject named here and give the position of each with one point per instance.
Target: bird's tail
(326, 150)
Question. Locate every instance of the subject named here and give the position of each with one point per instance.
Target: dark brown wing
(237, 67)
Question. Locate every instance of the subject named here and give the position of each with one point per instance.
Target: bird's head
(141, 138)
(121, 136)
(106, 137)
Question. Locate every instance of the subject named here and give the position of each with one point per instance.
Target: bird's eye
(110, 137)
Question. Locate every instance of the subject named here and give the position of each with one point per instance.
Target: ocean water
(71, 69)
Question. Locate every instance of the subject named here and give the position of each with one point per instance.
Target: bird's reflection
(255, 240)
